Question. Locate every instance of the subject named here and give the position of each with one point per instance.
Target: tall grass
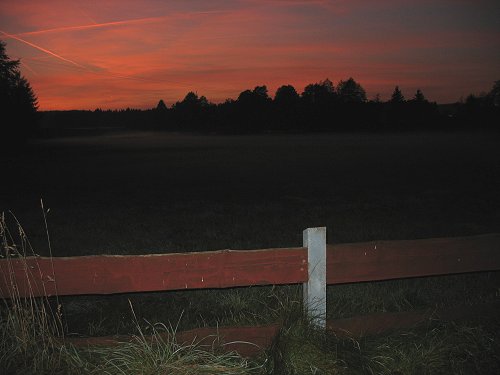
(30, 328)
(32, 336)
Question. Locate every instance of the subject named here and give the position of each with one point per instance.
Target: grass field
(159, 192)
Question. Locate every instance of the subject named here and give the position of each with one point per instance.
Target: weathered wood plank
(383, 260)
(367, 261)
(36, 276)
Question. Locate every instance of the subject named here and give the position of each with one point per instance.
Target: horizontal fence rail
(345, 263)
(108, 274)
(384, 260)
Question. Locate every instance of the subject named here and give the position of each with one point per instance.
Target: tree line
(322, 106)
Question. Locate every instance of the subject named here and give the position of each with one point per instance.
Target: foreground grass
(299, 348)
(33, 330)
(157, 354)
(439, 348)
(45, 353)
(32, 338)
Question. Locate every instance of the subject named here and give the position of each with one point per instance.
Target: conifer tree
(18, 102)
(397, 96)
(419, 97)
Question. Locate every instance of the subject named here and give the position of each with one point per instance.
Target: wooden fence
(344, 263)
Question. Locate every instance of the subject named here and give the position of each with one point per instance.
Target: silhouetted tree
(397, 96)
(287, 108)
(204, 102)
(261, 92)
(18, 103)
(286, 95)
(319, 101)
(245, 96)
(397, 111)
(419, 113)
(191, 99)
(192, 112)
(159, 116)
(351, 92)
(494, 94)
(419, 97)
(257, 96)
(481, 111)
(253, 109)
(328, 85)
(316, 93)
(376, 98)
(352, 110)
(161, 106)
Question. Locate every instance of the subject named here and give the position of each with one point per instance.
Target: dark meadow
(140, 192)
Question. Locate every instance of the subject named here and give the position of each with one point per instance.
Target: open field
(160, 192)
(157, 192)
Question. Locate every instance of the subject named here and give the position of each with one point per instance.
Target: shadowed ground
(159, 192)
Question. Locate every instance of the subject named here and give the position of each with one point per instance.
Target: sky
(113, 54)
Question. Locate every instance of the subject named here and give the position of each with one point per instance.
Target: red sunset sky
(123, 53)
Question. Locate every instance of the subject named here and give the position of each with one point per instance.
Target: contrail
(107, 73)
(28, 67)
(93, 26)
(43, 49)
(114, 23)
(83, 27)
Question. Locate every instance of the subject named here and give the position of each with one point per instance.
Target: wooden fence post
(315, 289)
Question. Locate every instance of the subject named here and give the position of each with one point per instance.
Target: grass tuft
(32, 337)
(161, 354)
(29, 327)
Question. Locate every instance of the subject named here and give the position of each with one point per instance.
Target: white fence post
(315, 289)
